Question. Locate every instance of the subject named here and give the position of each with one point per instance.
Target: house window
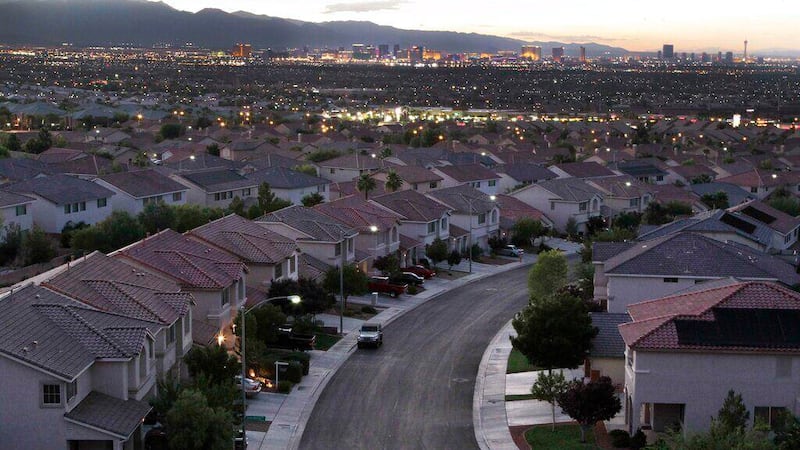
(246, 192)
(583, 206)
(481, 218)
(151, 349)
(476, 184)
(102, 202)
(444, 223)
(72, 390)
(433, 185)
(659, 177)
(337, 249)
(552, 206)
(292, 265)
(333, 170)
(754, 190)
(768, 415)
(634, 202)
(431, 227)
(177, 196)
(321, 188)
(171, 334)
(240, 289)
(154, 199)
(67, 209)
(670, 280)
(415, 186)
(21, 210)
(787, 238)
(278, 270)
(494, 216)
(492, 183)
(226, 297)
(51, 394)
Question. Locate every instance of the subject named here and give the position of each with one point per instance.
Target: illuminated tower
(745, 50)
(583, 54)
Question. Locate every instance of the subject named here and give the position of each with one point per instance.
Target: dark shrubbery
(620, 438)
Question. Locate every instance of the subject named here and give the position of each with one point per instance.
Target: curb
(393, 314)
(489, 408)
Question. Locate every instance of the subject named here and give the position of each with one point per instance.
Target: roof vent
(24, 349)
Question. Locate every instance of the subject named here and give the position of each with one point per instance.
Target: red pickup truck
(382, 285)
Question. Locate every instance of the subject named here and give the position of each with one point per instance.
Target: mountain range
(144, 23)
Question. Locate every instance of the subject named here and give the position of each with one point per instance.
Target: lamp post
(295, 299)
(342, 253)
(469, 202)
(374, 229)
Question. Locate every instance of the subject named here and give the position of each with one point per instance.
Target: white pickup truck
(371, 334)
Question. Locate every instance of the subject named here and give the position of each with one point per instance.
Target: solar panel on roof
(759, 215)
(759, 328)
(737, 223)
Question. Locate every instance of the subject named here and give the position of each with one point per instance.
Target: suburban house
(761, 183)
(62, 199)
(216, 187)
(290, 184)
(268, 255)
(415, 178)
(135, 190)
(627, 272)
(622, 194)
(515, 175)
(473, 175)
(646, 170)
(347, 167)
(512, 209)
(111, 285)
(316, 234)
(607, 355)
(783, 227)
(583, 170)
(422, 220)
(215, 278)
(683, 353)
(563, 199)
(378, 228)
(16, 209)
(472, 211)
(77, 377)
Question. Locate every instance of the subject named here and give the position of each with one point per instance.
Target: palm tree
(393, 181)
(365, 184)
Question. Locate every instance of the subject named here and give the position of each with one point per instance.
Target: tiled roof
(312, 268)
(20, 169)
(143, 183)
(412, 205)
(760, 178)
(246, 239)
(766, 214)
(284, 178)
(62, 189)
(316, 225)
(747, 316)
(217, 180)
(468, 172)
(111, 285)
(117, 416)
(528, 172)
(512, 209)
(458, 198)
(359, 214)
(608, 343)
(623, 186)
(695, 255)
(62, 336)
(191, 263)
(415, 174)
(352, 161)
(735, 193)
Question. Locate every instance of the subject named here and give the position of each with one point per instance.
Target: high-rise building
(558, 54)
(729, 57)
(416, 54)
(583, 54)
(532, 52)
(242, 50)
(668, 51)
(363, 52)
(705, 57)
(744, 58)
(396, 50)
(383, 51)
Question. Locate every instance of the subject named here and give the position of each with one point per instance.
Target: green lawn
(326, 341)
(517, 362)
(565, 437)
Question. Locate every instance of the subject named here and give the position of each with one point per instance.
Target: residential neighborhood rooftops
(143, 183)
(246, 239)
(217, 180)
(359, 214)
(284, 178)
(314, 224)
(584, 170)
(468, 172)
(117, 416)
(570, 189)
(464, 199)
(10, 199)
(608, 343)
(412, 205)
(62, 189)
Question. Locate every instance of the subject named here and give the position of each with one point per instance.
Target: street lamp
(295, 300)
(469, 202)
(374, 229)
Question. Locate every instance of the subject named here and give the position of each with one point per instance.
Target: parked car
(290, 339)
(420, 270)
(382, 285)
(408, 278)
(251, 386)
(510, 250)
(370, 334)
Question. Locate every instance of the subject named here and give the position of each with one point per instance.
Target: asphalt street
(416, 391)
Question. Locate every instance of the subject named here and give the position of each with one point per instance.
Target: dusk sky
(635, 25)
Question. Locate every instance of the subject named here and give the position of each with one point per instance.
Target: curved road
(416, 391)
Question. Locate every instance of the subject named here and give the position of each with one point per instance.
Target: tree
(214, 363)
(554, 332)
(193, 424)
(366, 184)
(268, 202)
(236, 206)
(789, 205)
(171, 131)
(571, 227)
(314, 297)
(548, 275)
(213, 149)
(590, 402)
(393, 181)
(388, 264)
(203, 122)
(262, 325)
(547, 388)
(12, 143)
(659, 214)
(526, 230)
(355, 282)
(733, 416)
(717, 200)
(157, 216)
(116, 231)
(453, 258)
(312, 199)
(10, 243)
(628, 221)
(307, 169)
(45, 138)
(37, 247)
(436, 251)
(191, 216)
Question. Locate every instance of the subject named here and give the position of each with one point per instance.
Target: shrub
(293, 372)
(412, 289)
(620, 438)
(284, 386)
(368, 310)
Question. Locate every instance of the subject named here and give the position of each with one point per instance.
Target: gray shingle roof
(319, 226)
(62, 189)
(120, 417)
(608, 343)
(284, 178)
(218, 180)
(528, 172)
(143, 183)
(695, 255)
(714, 221)
(11, 199)
(602, 251)
(459, 198)
(467, 173)
(571, 189)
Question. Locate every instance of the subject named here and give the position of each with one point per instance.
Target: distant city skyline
(690, 25)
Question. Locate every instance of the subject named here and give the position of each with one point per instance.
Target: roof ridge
(135, 299)
(71, 310)
(182, 256)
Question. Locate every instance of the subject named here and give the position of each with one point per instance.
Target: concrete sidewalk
(289, 422)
